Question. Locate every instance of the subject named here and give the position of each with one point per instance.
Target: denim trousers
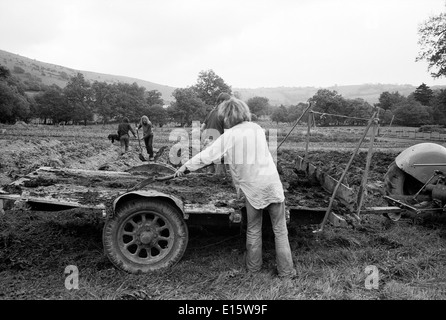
(149, 145)
(284, 258)
(124, 140)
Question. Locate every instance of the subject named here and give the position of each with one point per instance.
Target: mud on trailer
(144, 230)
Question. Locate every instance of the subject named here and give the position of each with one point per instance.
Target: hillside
(294, 95)
(34, 73)
(37, 72)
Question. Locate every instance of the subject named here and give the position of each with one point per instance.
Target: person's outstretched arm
(211, 154)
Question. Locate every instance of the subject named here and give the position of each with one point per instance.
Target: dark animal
(112, 137)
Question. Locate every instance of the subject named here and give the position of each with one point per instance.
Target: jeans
(284, 258)
(124, 140)
(149, 145)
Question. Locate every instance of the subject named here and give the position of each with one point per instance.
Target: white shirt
(252, 167)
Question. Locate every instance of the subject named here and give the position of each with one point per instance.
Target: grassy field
(36, 247)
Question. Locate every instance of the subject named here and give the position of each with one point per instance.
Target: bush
(18, 70)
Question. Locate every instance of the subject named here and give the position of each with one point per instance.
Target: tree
(209, 85)
(327, 101)
(411, 113)
(387, 100)
(423, 94)
(358, 108)
(157, 114)
(104, 97)
(432, 40)
(280, 114)
(187, 106)
(154, 97)
(439, 107)
(80, 98)
(14, 104)
(4, 72)
(294, 112)
(9, 101)
(53, 104)
(385, 116)
(129, 101)
(258, 105)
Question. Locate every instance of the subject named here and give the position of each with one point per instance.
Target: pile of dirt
(22, 156)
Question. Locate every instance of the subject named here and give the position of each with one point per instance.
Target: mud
(20, 158)
(335, 162)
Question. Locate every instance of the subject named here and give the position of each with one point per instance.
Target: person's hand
(239, 194)
(181, 172)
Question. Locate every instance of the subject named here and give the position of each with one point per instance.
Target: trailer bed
(57, 189)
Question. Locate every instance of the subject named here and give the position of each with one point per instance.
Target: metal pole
(327, 213)
(424, 186)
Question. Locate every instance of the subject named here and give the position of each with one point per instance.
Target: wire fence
(410, 133)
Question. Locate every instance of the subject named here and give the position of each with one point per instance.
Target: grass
(36, 247)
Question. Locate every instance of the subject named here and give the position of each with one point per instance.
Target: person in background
(212, 128)
(147, 135)
(254, 173)
(123, 132)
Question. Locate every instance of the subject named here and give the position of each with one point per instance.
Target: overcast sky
(249, 43)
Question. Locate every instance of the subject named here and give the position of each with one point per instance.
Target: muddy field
(22, 157)
(36, 246)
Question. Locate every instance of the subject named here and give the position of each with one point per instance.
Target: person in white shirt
(244, 146)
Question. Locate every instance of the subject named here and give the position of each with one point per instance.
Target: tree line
(81, 102)
(424, 106)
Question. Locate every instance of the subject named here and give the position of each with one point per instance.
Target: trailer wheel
(145, 235)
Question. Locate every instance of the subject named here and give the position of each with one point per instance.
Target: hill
(34, 73)
(294, 95)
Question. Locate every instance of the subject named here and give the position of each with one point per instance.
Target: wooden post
(327, 213)
(365, 175)
(310, 116)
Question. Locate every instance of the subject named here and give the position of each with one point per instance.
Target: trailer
(144, 230)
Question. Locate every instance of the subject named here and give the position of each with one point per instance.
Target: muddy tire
(399, 184)
(145, 236)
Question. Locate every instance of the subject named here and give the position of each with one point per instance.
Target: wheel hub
(147, 237)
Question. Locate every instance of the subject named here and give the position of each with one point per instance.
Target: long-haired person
(254, 173)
